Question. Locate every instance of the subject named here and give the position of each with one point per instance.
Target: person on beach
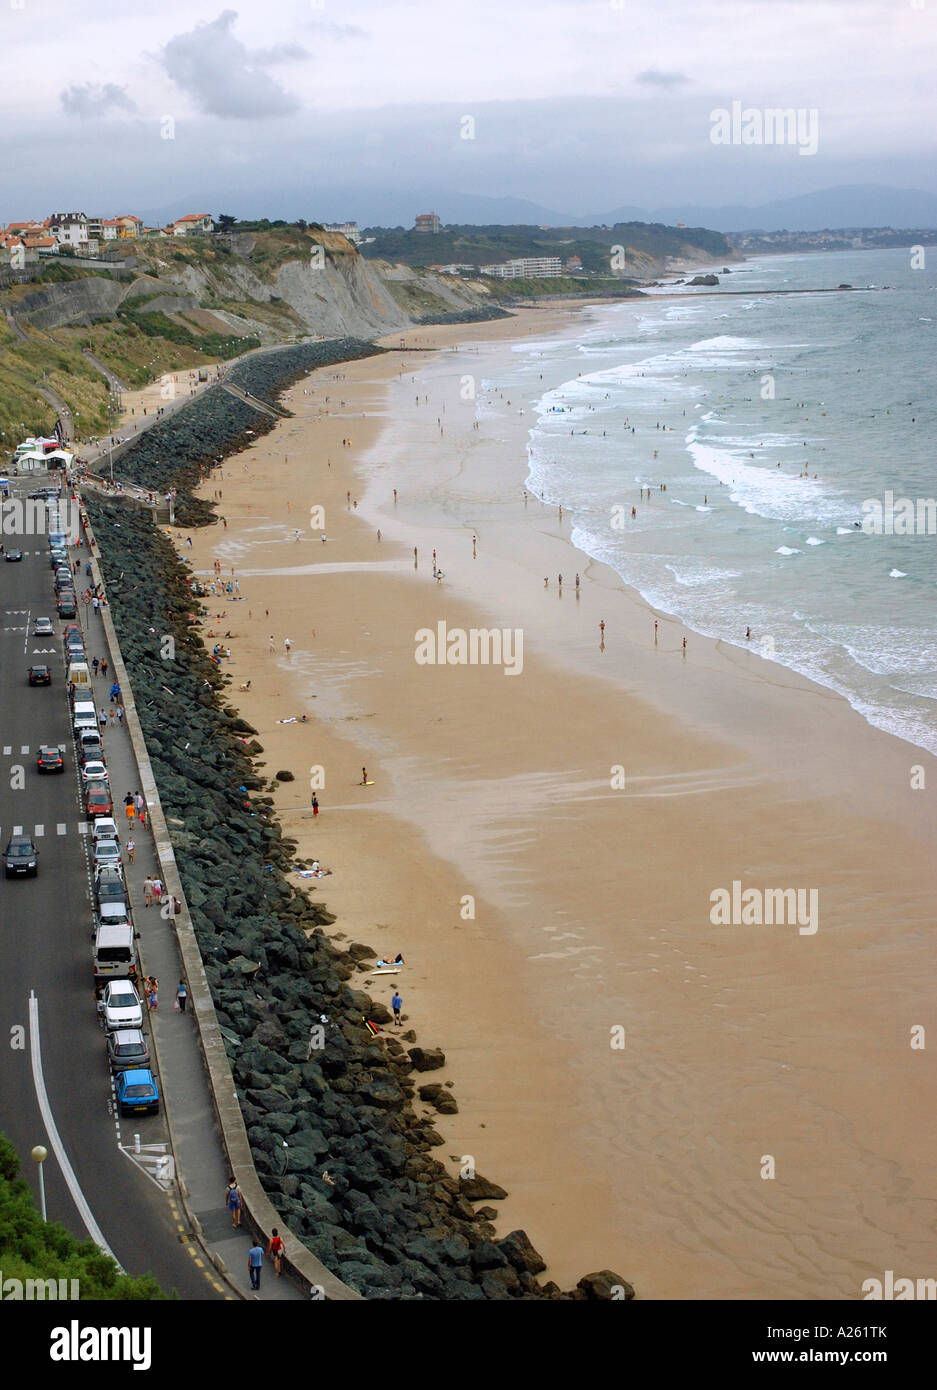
(602, 627)
(364, 776)
(396, 1004)
(315, 804)
(276, 1250)
(287, 646)
(233, 1201)
(182, 995)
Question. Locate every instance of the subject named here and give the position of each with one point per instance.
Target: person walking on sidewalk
(276, 1250)
(255, 1260)
(233, 1201)
(157, 891)
(104, 666)
(182, 995)
(140, 804)
(147, 892)
(131, 850)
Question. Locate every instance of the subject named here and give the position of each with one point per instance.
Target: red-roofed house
(193, 224)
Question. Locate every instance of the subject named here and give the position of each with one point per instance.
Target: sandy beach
(542, 847)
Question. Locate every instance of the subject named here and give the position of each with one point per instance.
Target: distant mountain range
(849, 205)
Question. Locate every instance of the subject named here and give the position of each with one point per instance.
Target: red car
(98, 799)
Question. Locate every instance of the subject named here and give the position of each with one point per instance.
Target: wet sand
(542, 847)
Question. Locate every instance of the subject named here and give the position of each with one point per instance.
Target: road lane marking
(24, 750)
(7, 750)
(17, 830)
(39, 831)
(61, 828)
(58, 1148)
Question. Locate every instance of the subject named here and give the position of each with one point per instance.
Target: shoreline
(697, 742)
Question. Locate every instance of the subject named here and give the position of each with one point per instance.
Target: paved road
(46, 929)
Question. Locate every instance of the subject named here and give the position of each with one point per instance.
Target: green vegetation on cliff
(31, 1248)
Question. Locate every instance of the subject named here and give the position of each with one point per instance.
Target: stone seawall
(328, 1107)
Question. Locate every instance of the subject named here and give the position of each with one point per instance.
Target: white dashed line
(39, 831)
(61, 828)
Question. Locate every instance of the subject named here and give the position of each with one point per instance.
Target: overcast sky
(318, 110)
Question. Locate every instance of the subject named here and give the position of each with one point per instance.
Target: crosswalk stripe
(83, 827)
(7, 750)
(61, 828)
(39, 831)
(17, 830)
(24, 751)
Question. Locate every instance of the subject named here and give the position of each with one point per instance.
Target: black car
(11, 555)
(40, 675)
(50, 759)
(66, 604)
(20, 858)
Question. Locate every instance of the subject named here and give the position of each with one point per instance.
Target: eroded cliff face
(333, 295)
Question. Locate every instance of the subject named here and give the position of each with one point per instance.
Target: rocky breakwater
(340, 1140)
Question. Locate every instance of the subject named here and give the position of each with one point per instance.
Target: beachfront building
(346, 229)
(69, 229)
(45, 246)
(426, 222)
(193, 224)
(526, 268)
(454, 268)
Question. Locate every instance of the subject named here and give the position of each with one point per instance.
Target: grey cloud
(223, 77)
(328, 29)
(91, 101)
(654, 77)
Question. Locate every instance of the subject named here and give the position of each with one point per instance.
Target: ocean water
(770, 419)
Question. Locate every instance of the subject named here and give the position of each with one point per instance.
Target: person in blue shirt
(396, 1004)
(255, 1259)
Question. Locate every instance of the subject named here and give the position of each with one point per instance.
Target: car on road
(90, 746)
(106, 855)
(49, 758)
(120, 1006)
(12, 555)
(66, 604)
(40, 494)
(98, 799)
(109, 888)
(94, 771)
(39, 675)
(137, 1092)
(20, 858)
(127, 1047)
(42, 627)
(104, 828)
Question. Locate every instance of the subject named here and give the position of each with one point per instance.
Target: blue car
(137, 1092)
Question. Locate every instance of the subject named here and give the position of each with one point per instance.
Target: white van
(84, 716)
(114, 953)
(79, 676)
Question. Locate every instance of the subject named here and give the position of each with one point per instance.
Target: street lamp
(40, 1155)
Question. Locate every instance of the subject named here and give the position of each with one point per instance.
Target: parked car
(106, 855)
(42, 627)
(104, 828)
(98, 799)
(127, 1047)
(39, 675)
(74, 647)
(20, 858)
(121, 1005)
(50, 758)
(109, 886)
(137, 1092)
(90, 746)
(11, 556)
(94, 771)
(66, 604)
(58, 557)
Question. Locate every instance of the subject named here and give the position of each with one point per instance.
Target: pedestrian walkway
(200, 1162)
